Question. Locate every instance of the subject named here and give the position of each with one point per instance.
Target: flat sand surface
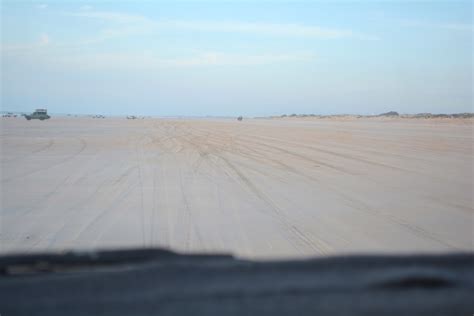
(256, 188)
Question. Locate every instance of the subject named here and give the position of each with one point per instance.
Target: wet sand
(257, 188)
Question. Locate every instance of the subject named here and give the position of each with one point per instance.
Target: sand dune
(257, 188)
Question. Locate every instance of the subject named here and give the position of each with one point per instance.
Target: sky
(226, 58)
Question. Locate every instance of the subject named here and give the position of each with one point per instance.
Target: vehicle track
(277, 213)
(82, 147)
(71, 213)
(255, 188)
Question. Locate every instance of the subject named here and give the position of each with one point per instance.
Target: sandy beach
(275, 188)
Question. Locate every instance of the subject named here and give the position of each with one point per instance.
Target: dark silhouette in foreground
(161, 282)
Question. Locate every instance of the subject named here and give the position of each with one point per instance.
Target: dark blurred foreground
(160, 282)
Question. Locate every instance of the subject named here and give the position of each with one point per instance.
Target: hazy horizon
(237, 58)
(5, 111)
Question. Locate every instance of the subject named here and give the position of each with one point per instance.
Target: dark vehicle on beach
(39, 114)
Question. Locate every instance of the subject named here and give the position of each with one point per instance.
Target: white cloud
(142, 23)
(86, 8)
(457, 26)
(148, 60)
(290, 30)
(113, 17)
(446, 26)
(225, 59)
(120, 25)
(44, 39)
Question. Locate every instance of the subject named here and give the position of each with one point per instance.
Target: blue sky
(237, 57)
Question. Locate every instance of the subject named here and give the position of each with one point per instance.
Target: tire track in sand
(277, 213)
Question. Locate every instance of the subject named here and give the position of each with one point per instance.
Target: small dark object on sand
(240, 118)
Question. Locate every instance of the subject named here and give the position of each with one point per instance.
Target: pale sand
(257, 188)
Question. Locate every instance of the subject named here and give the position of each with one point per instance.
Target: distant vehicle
(98, 116)
(9, 114)
(39, 114)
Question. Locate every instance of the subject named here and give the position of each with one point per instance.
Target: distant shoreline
(389, 115)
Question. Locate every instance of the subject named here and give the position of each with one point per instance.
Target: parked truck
(39, 114)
